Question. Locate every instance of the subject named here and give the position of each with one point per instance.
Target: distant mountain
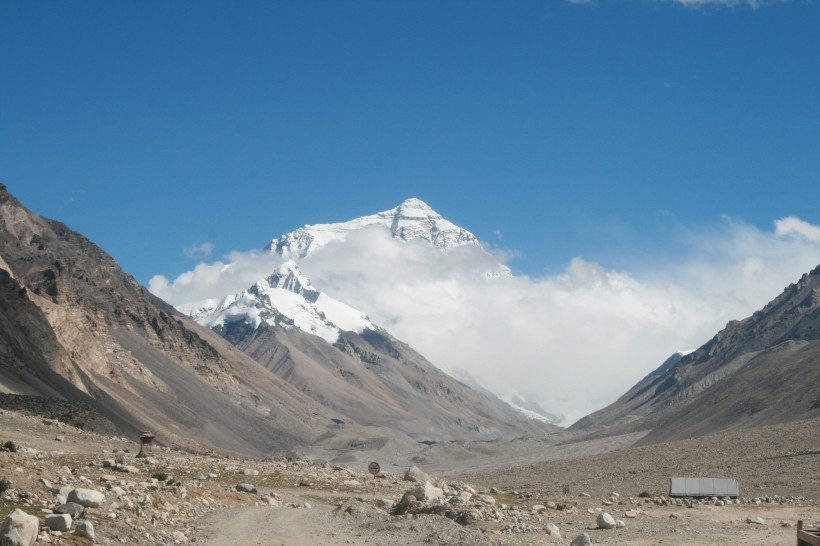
(285, 299)
(411, 220)
(762, 370)
(338, 357)
(255, 318)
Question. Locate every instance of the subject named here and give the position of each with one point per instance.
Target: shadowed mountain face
(762, 370)
(376, 380)
(75, 327)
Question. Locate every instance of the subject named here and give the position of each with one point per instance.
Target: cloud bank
(574, 341)
(200, 251)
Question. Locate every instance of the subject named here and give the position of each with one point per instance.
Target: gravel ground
(302, 502)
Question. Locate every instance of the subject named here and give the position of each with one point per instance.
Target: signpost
(374, 469)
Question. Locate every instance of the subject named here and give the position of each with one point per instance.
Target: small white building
(703, 487)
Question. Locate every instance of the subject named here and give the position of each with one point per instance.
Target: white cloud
(754, 4)
(793, 226)
(239, 271)
(199, 252)
(574, 341)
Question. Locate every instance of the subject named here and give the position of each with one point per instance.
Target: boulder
(19, 529)
(117, 490)
(58, 522)
(415, 474)
(387, 504)
(62, 494)
(246, 488)
(553, 530)
(427, 492)
(71, 508)
(605, 521)
(85, 529)
(89, 498)
(486, 499)
(270, 500)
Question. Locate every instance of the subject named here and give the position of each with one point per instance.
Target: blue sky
(553, 129)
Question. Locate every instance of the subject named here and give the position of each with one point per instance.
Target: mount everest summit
(412, 220)
(287, 300)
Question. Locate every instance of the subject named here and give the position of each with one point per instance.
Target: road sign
(374, 468)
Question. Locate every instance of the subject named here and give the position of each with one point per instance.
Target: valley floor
(301, 502)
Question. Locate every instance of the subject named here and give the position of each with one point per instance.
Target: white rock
(62, 495)
(757, 520)
(19, 529)
(415, 474)
(250, 472)
(245, 488)
(605, 521)
(85, 529)
(581, 540)
(90, 498)
(619, 524)
(486, 499)
(58, 522)
(387, 504)
(269, 500)
(427, 492)
(553, 531)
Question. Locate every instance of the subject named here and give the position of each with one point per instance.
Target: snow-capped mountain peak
(286, 299)
(288, 277)
(412, 219)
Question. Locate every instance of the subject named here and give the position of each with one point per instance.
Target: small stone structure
(146, 444)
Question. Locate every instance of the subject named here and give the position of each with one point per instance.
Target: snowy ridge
(413, 219)
(284, 299)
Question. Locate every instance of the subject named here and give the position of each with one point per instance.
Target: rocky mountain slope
(378, 381)
(762, 370)
(74, 326)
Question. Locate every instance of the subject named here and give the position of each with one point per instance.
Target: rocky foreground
(67, 486)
